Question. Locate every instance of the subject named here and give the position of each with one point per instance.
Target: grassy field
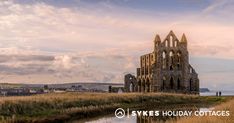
(66, 106)
(227, 106)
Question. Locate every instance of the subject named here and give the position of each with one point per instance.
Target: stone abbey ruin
(165, 69)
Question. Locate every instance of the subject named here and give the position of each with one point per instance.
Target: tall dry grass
(63, 106)
(226, 106)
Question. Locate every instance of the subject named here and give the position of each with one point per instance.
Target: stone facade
(166, 69)
(130, 83)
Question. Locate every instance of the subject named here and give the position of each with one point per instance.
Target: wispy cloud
(101, 42)
(69, 67)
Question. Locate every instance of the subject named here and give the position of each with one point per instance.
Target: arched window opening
(146, 70)
(178, 57)
(147, 85)
(178, 66)
(191, 70)
(171, 67)
(166, 43)
(171, 83)
(171, 41)
(176, 43)
(142, 71)
(143, 86)
(131, 87)
(179, 60)
(163, 83)
(178, 83)
(164, 60)
(139, 86)
(171, 54)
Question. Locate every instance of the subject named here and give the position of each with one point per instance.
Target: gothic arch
(171, 40)
(131, 87)
(164, 82)
(190, 70)
(178, 83)
(143, 86)
(179, 59)
(171, 83)
(139, 85)
(175, 43)
(166, 43)
(147, 85)
(164, 59)
(171, 59)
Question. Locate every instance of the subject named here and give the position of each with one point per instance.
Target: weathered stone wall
(166, 69)
(130, 83)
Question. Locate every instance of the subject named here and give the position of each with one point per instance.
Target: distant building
(166, 69)
(116, 89)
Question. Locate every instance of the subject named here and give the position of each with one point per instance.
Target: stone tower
(167, 68)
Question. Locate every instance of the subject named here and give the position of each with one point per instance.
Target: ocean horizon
(213, 93)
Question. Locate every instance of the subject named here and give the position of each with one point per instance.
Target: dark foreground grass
(60, 107)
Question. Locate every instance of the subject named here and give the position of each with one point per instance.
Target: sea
(213, 93)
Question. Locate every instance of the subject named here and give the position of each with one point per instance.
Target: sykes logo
(121, 113)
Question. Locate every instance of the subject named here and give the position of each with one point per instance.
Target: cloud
(220, 10)
(19, 66)
(41, 42)
(63, 62)
(59, 29)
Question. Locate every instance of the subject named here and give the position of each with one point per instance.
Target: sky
(63, 41)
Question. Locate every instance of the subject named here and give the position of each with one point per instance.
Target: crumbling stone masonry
(166, 69)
